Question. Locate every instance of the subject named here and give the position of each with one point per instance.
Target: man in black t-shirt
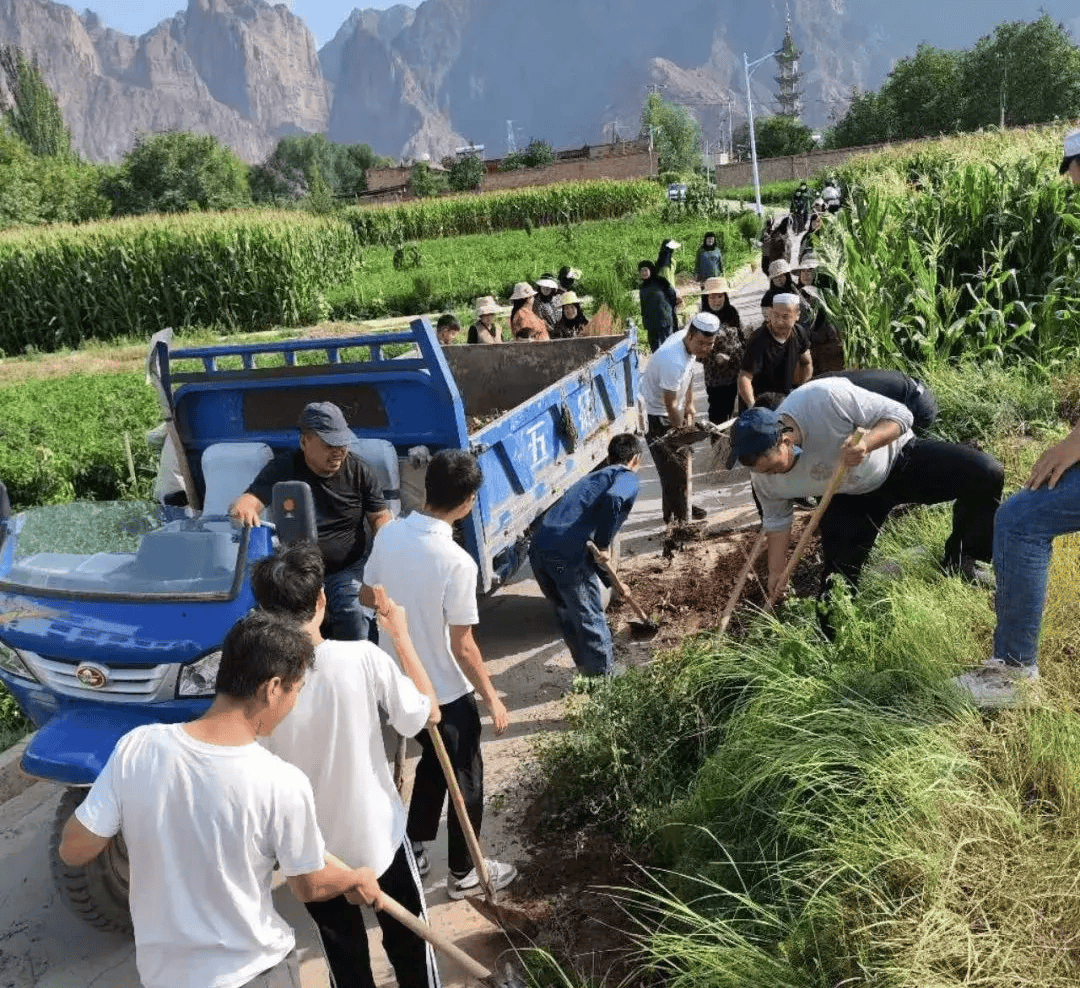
(346, 492)
(777, 357)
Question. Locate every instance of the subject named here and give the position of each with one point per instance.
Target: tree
(35, 117)
(466, 174)
(300, 162)
(781, 135)
(175, 172)
(423, 182)
(675, 133)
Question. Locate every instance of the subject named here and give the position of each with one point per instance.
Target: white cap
(705, 322)
(786, 298)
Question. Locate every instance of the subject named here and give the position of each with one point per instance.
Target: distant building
(789, 96)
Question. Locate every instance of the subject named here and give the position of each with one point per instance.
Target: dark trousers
(721, 401)
(672, 467)
(344, 934)
(460, 730)
(926, 472)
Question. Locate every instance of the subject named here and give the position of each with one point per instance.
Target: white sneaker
(500, 874)
(996, 684)
(423, 865)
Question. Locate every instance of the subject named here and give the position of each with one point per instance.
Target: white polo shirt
(204, 824)
(671, 368)
(425, 571)
(333, 735)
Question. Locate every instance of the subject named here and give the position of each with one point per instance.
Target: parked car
(676, 192)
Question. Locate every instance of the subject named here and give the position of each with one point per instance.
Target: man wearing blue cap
(346, 492)
(794, 450)
(1047, 506)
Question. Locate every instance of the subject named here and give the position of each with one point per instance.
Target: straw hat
(570, 298)
(778, 268)
(547, 281)
(486, 306)
(521, 291)
(715, 286)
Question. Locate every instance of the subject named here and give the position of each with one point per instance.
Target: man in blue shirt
(593, 509)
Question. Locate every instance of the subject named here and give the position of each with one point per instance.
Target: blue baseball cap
(755, 431)
(324, 418)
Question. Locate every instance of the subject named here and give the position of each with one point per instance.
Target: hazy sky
(324, 17)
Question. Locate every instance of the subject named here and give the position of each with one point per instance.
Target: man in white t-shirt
(421, 567)
(334, 735)
(668, 391)
(206, 813)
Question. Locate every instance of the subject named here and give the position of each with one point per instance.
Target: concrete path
(43, 946)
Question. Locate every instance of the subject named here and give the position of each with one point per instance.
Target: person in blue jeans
(593, 509)
(1048, 505)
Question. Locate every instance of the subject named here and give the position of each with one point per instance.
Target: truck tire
(97, 892)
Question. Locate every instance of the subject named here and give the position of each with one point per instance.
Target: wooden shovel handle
(394, 908)
(462, 814)
(624, 590)
(808, 533)
(759, 544)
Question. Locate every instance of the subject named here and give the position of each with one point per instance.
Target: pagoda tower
(789, 95)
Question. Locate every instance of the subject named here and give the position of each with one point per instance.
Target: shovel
(508, 917)
(740, 583)
(395, 909)
(644, 627)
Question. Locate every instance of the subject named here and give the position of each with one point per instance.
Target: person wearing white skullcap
(667, 387)
(1047, 506)
(777, 358)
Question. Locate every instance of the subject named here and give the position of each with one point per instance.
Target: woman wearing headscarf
(723, 361)
(573, 320)
(568, 278)
(525, 324)
(710, 262)
(545, 303)
(484, 329)
(659, 305)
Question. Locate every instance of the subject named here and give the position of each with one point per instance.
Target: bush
(133, 277)
(466, 174)
(58, 189)
(423, 182)
(301, 163)
(178, 172)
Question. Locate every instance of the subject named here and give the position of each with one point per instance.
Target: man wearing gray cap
(1048, 505)
(346, 492)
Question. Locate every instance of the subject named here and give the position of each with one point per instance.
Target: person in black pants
(334, 735)
(912, 394)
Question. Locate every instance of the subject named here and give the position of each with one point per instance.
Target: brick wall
(385, 178)
(632, 164)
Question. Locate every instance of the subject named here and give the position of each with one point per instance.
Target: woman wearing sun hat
(525, 324)
(484, 329)
(723, 361)
(573, 320)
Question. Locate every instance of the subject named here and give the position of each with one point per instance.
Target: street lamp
(749, 67)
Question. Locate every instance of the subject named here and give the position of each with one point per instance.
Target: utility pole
(511, 142)
(748, 67)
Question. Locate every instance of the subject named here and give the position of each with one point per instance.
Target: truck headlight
(12, 662)
(198, 678)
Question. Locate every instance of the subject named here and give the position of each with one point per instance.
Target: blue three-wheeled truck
(124, 627)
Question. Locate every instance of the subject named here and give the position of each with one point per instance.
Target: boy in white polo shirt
(334, 736)
(434, 579)
(206, 813)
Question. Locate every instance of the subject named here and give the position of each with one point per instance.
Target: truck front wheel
(97, 892)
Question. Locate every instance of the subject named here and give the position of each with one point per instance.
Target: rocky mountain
(422, 81)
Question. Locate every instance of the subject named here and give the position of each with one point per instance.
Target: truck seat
(228, 469)
(382, 457)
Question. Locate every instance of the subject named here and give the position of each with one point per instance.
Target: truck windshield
(122, 549)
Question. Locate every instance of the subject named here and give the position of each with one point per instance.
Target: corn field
(551, 205)
(966, 248)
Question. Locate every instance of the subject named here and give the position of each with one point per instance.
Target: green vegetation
(773, 194)
(676, 135)
(537, 153)
(130, 278)
(966, 249)
(35, 118)
(425, 182)
(775, 136)
(175, 173)
(307, 164)
(466, 174)
(1023, 73)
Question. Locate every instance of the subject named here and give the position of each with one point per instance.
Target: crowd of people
(273, 777)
